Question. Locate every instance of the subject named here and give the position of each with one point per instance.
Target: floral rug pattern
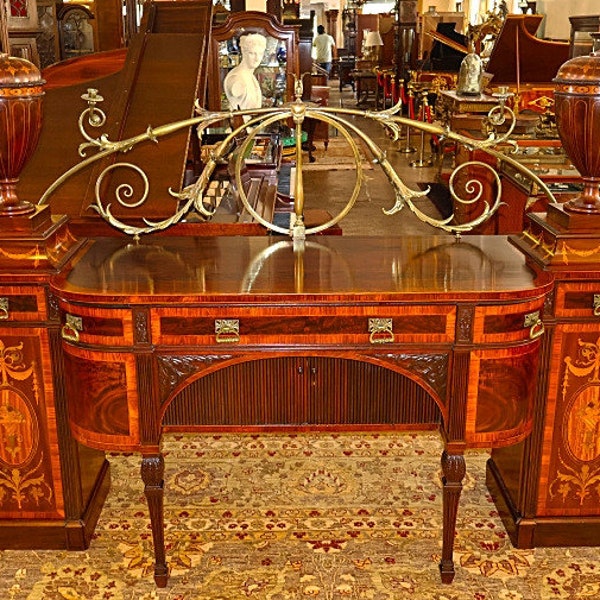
(286, 517)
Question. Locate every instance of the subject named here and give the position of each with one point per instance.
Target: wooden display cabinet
(76, 26)
(279, 65)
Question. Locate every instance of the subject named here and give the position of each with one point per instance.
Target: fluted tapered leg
(153, 469)
(453, 468)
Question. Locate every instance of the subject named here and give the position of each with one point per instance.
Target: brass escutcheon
(227, 331)
(381, 331)
(4, 309)
(596, 305)
(70, 330)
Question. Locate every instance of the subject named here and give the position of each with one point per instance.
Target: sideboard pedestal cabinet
(547, 488)
(51, 487)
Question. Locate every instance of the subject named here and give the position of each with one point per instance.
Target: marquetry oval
(582, 424)
(18, 428)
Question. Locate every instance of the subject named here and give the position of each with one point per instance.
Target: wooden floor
(331, 189)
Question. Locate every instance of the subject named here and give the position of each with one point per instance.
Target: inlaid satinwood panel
(570, 471)
(30, 476)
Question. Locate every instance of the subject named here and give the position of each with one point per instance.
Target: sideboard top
(267, 268)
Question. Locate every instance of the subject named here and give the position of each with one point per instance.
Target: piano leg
(153, 469)
(453, 468)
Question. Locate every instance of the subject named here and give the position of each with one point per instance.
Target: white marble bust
(241, 86)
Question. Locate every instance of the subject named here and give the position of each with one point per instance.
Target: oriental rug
(289, 517)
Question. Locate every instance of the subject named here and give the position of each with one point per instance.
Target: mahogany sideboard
(216, 333)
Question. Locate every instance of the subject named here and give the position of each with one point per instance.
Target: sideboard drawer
(508, 323)
(326, 325)
(80, 324)
(578, 300)
(20, 303)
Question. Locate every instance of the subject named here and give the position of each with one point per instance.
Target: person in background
(324, 45)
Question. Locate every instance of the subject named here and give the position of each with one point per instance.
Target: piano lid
(163, 73)
(518, 56)
(448, 50)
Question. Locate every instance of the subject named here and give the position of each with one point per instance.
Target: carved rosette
(577, 110)
(21, 91)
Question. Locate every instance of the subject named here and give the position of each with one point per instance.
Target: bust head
(253, 47)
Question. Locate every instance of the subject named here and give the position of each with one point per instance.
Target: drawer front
(102, 398)
(506, 324)
(502, 384)
(281, 326)
(98, 327)
(578, 300)
(18, 304)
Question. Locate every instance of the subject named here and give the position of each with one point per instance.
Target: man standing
(324, 45)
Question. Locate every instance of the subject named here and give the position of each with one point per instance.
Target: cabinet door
(353, 392)
(30, 478)
(295, 391)
(570, 477)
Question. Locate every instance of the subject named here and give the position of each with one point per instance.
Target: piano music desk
(246, 333)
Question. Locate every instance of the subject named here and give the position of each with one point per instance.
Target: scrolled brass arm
(192, 197)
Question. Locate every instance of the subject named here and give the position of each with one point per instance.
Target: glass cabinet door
(280, 62)
(271, 73)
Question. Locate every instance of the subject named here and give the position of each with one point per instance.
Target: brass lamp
(372, 43)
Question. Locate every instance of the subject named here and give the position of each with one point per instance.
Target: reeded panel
(302, 390)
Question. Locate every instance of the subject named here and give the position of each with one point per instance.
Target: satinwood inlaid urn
(21, 91)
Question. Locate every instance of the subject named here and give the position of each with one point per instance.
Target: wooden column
(332, 20)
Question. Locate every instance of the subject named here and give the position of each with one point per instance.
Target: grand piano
(107, 344)
(525, 63)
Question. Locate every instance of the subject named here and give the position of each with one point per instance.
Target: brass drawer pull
(70, 330)
(596, 305)
(227, 331)
(535, 324)
(381, 331)
(4, 309)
